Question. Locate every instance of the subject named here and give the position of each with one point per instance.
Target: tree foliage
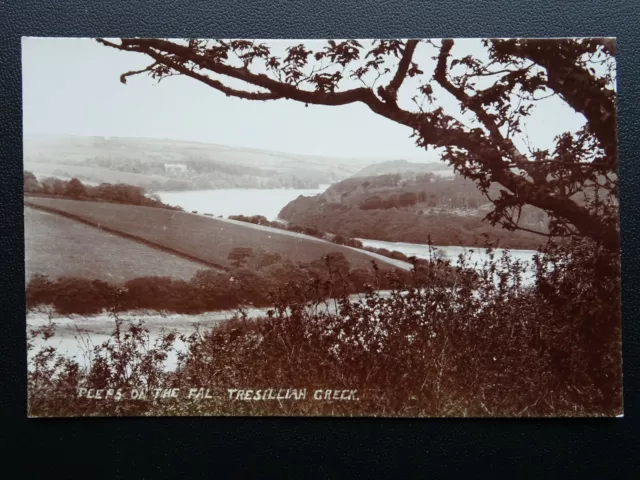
(105, 192)
(489, 346)
(575, 182)
(31, 184)
(75, 189)
(239, 256)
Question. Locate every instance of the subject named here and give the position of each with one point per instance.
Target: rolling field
(204, 238)
(57, 246)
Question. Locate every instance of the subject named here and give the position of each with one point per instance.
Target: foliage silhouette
(495, 92)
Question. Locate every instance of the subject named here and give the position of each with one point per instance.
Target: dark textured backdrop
(146, 448)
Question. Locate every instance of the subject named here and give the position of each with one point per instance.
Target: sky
(71, 86)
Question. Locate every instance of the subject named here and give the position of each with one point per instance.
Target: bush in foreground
(488, 346)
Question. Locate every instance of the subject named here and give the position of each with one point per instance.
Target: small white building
(175, 167)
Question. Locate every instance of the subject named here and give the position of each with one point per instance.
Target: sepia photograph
(322, 228)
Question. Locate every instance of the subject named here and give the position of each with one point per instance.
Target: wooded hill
(405, 168)
(402, 208)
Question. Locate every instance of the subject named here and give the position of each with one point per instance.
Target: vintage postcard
(380, 228)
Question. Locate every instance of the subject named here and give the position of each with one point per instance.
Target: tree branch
(434, 128)
(391, 91)
(283, 90)
(130, 73)
(537, 195)
(583, 92)
(232, 92)
(467, 101)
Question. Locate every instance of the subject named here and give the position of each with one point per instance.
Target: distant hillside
(396, 209)
(157, 164)
(405, 168)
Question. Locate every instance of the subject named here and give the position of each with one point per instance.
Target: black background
(149, 448)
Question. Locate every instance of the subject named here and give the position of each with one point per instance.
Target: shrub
(473, 345)
(39, 291)
(239, 256)
(488, 347)
(70, 295)
(162, 293)
(75, 189)
(105, 192)
(31, 184)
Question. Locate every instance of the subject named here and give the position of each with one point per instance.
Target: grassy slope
(205, 238)
(57, 246)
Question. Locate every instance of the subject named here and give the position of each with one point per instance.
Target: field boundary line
(127, 236)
